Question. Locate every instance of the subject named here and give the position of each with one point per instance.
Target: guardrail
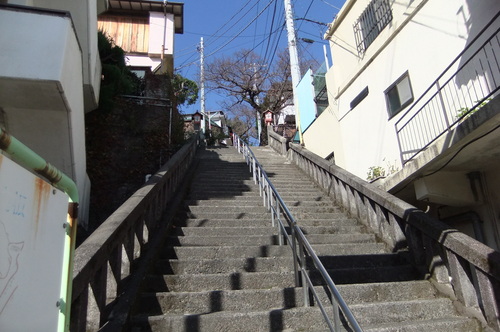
(454, 95)
(443, 253)
(105, 262)
(301, 249)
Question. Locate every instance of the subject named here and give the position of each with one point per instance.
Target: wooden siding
(131, 34)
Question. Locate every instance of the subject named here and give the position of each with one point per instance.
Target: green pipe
(29, 159)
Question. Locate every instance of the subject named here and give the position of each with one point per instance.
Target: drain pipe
(27, 158)
(30, 160)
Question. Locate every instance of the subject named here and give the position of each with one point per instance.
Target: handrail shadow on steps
(446, 255)
(301, 248)
(105, 262)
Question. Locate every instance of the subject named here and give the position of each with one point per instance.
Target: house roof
(189, 117)
(138, 7)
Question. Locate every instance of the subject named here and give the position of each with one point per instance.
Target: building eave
(143, 8)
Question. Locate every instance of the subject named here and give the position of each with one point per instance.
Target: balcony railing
(320, 92)
(453, 96)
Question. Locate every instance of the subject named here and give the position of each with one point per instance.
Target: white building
(395, 100)
(50, 75)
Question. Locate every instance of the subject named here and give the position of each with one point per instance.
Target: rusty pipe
(27, 158)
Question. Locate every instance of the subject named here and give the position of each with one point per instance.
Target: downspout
(28, 159)
(164, 29)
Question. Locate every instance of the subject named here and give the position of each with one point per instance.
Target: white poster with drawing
(32, 235)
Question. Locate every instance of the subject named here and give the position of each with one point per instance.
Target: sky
(228, 26)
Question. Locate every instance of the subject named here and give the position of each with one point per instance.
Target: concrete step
(382, 267)
(293, 319)
(221, 300)
(183, 221)
(256, 299)
(336, 232)
(260, 213)
(218, 281)
(454, 323)
(257, 200)
(220, 252)
(228, 208)
(220, 194)
(303, 319)
(403, 311)
(258, 240)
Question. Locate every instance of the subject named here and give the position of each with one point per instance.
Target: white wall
(84, 16)
(158, 35)
(423, 38)
(142, 61)
(41, 90)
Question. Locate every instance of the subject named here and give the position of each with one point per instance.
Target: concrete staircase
(221, 268)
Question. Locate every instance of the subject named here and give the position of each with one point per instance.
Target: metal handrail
(296, 240)
(443, 105)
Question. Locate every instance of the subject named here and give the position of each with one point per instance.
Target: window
(371, 22)
(359, 98)
(399, 95)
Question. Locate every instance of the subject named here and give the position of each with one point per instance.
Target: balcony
(467, 85)
(41, 60)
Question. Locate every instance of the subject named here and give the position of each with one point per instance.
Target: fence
(452, 96)
(443, 253)
(104, 263)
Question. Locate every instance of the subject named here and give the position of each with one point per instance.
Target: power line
(236, 22)
(241, 31)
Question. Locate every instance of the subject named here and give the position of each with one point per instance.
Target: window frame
(374, 18)
(402, 105)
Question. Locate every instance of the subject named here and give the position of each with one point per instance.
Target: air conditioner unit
(450, 189)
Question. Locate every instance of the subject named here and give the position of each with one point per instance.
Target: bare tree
(246, 80)
(243, 122)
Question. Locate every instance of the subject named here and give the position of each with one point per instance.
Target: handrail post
(441, 101)
(305, 284)
(280, 234)
(269, 197)
(254, 171)
(274, 212)
(295, 263)
(336, 314)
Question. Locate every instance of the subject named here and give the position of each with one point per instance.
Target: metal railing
(105, 262)
(443, 253)
(282, 218)
(454, 95)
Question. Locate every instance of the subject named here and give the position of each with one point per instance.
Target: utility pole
(202, 84)
(294, 62)
(257, 112)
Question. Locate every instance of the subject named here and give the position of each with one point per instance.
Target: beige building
(412, 98)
